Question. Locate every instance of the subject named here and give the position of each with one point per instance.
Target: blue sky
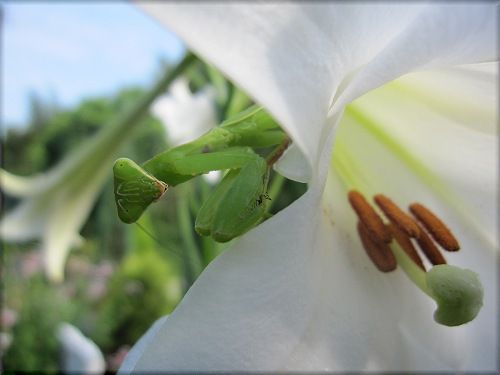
(65, 52)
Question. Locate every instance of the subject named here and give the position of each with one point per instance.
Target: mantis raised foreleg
(237, 204)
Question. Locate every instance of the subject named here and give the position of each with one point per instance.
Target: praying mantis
(239, 201)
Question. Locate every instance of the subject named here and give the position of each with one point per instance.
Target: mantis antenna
(139, 225)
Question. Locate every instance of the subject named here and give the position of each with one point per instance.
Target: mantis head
(135, 189)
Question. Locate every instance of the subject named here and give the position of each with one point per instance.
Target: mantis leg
(178, 168)
(231, 158)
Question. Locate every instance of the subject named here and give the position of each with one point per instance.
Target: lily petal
(79, 353)
(134, 354)
(67, 214)
(58, 211)
(18, 186)
(466, 176)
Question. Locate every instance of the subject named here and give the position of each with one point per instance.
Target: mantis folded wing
(237, 204)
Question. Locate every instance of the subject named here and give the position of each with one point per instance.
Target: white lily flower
(79, 353)
(187, 116)
(298, 292)
(56, 203)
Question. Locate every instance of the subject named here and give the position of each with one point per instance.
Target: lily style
(381, 98)
(55, 204)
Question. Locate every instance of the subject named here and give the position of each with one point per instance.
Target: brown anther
(397, 216)
(404, 241)
(379, 252)
(367, 215)
(438, 230)
(429, 248)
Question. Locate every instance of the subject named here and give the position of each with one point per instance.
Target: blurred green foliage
(145, 287)
(35, 345)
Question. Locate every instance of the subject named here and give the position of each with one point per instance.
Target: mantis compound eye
(135, 189)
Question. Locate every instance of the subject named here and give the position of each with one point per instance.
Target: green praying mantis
(239, 201)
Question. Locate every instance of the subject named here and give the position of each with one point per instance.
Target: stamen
(379, 252)
(367, 215)
(438, 230)
(430, 249)
(405, 243)
(397, 216)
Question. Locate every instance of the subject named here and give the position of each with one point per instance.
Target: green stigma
(458, 293)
